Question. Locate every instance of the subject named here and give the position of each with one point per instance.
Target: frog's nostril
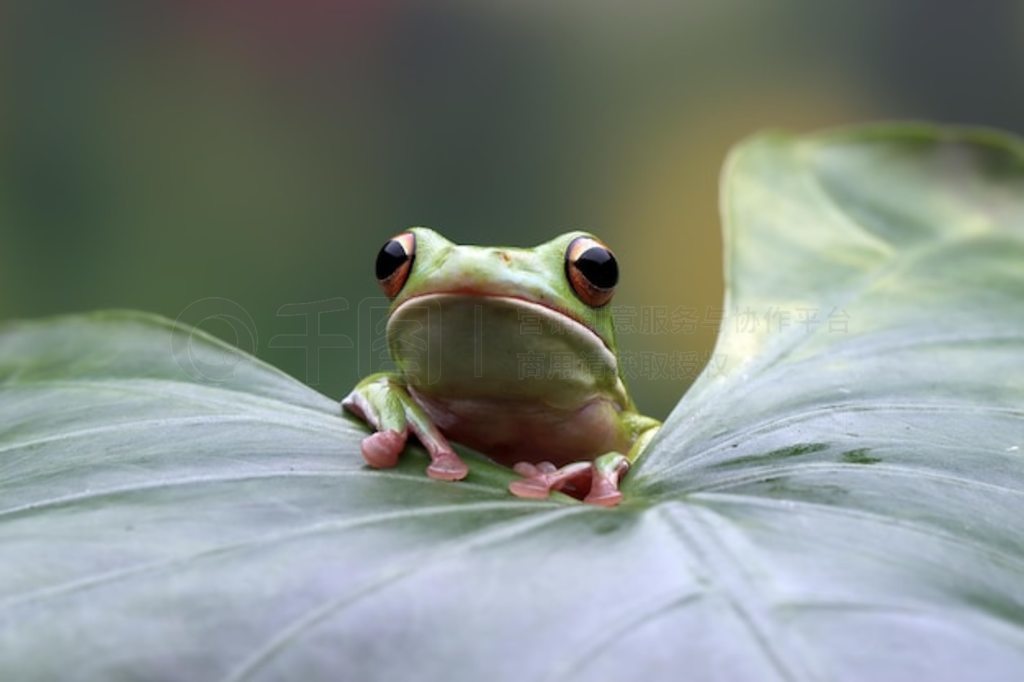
(504, 255)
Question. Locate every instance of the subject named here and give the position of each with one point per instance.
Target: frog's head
(573, 275)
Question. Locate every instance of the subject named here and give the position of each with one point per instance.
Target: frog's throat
(567, 323)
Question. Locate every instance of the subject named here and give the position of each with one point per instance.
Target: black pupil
(391, 257)
(599, 267)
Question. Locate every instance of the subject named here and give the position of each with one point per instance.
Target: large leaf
(839, 497)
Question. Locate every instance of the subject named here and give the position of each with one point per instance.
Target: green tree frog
(511, 352)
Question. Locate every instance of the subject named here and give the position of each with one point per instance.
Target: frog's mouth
(528, 305)
(471, 338)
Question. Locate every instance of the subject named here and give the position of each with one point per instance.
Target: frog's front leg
(382, 401)
(600, 477)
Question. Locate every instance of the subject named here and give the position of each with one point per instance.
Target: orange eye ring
(394, 262)
(592, 271)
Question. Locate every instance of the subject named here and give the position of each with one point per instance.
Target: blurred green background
(238, 164)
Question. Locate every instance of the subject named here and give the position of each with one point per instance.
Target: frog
(508, 351)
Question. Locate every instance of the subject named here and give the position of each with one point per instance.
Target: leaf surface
(839, 497)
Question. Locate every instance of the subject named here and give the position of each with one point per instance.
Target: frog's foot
(381, 449)
(445, 465)
(600, 478)
(540, 479)
(604, 486)
(382, 402)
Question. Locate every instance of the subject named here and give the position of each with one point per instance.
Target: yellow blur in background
(237, 165)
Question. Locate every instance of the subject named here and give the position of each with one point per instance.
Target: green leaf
(839, 497)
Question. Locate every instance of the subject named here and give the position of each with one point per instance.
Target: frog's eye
(394, 263)
(592, 271)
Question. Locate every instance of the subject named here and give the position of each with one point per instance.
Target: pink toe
(530, 488)
(381, 449)
(525, 469)
(604, 492)
(448, 467)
